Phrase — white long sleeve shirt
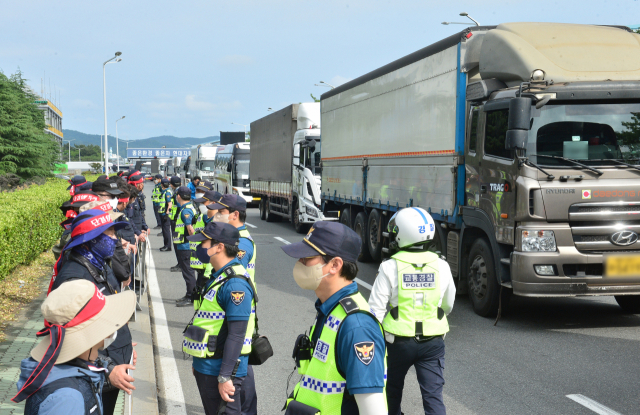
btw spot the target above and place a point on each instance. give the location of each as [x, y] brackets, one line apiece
[385, 290]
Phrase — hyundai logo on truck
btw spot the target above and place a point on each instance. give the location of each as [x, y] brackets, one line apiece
[624, 238]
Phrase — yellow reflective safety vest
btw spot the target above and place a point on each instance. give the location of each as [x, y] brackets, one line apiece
[180, 232]
[418, 297]
[194, 262]
[322, 386]
[174, 205]
[251, 266]
[156, 194]
[162, 205]
[200, 337]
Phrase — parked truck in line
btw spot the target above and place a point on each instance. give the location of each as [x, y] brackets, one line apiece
[522, 140]
[232, 170]
[202, 162]
[285, 165]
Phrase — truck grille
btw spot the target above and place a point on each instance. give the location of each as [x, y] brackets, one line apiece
[594, 224]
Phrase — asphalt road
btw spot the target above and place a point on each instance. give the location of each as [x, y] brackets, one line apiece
[541, 350]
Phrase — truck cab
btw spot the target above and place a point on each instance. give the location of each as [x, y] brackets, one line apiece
[232, 170]
[307, 170]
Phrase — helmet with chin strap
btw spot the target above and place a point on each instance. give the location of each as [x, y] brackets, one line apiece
[411, 226]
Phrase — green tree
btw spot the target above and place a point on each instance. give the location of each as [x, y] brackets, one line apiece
[89, 152]
[25, 149]
[630, 137]
[314, 98]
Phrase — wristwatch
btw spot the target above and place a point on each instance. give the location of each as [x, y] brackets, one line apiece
[223, 379]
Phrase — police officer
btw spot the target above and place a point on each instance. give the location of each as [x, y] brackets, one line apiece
[163, 210]
[343, 361]
[138, 207]
[173, 209]
[203, 216]
[185, 214]
[419, 286]
[155, 199]
[230, 294]
[232, 209]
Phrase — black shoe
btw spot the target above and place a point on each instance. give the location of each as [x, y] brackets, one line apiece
[165, 249]
[160, 234]
[175, 269]
[158, 227]
[185, 303]
[179, 300]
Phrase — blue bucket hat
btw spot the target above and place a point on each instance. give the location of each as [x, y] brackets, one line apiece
[89, 224]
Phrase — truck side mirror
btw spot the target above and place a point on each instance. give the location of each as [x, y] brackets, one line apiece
[312, 145]
[229, 167]
[519, 123]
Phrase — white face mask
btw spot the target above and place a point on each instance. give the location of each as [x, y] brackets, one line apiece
[308, 278]
[113, 203]
[219, 217]
[203, 209]
[109, 340]
[199, 195]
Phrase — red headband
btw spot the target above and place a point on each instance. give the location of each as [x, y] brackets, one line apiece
[136, 182]
[91, 224]
[85, 197]
[123, 200]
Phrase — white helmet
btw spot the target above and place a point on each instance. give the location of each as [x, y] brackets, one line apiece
[411, 226]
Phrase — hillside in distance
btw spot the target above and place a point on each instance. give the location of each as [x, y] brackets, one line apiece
[151, 142]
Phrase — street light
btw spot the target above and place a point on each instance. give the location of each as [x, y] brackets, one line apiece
[245, 129]
[269, 109]
[117, 149]
[326, 84]
[104, 93]
[466, 24]
[69, 141]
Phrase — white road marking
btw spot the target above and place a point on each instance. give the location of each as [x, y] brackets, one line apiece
[284, 241]
[170, 378]
[593, 405]
[248, 224]
[364, 284]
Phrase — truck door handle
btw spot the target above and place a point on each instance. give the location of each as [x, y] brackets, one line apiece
[483, 189]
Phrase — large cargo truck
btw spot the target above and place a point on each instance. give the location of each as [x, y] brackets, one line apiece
[232, 170]
[202, 162]
[285, 166]
[522, 140]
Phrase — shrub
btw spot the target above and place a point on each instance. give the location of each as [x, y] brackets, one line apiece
[30, 222]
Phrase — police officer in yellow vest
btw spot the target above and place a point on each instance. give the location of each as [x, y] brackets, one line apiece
[419, 286]
[173, 208]
[155, 199]
[163, 210]
[342, 363]
[222, 328]
[185, 215]
[203, 216]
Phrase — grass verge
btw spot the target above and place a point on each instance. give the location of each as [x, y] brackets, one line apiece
[23, 285]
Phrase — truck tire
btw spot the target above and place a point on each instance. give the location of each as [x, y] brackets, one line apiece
[629, 303]
[373, 245]
[484, 290]
[295, 219]
[263, 208]
[271, 217]
[345, 218]
[360, 227]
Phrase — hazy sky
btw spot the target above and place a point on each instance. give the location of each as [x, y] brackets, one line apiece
[190, 68]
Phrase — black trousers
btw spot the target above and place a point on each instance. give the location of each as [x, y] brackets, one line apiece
[188, 273]
[244, 402]
[166, 231]
[428, 359]
[157, 214]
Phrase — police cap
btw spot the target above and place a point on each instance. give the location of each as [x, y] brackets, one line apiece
[217, 231]
[231, 202]
[327, 238]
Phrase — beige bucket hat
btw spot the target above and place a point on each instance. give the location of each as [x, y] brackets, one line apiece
[88, 317]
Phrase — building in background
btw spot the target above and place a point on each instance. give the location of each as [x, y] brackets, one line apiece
[53, 119]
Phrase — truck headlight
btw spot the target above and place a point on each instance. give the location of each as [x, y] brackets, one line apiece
[311, 211]
[538, 241]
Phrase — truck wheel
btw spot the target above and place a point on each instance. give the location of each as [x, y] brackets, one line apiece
[295, 219]
[360, 227]
[373, 245]
[629, 303]
[345, 218]
[263, 208]
[484, 290]
[271, 217]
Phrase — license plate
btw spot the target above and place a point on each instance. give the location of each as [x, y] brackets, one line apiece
[256, 198]
[622, 266]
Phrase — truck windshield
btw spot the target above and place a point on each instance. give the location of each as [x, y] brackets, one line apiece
[207, 165]
[590, 133]
[242, 166]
